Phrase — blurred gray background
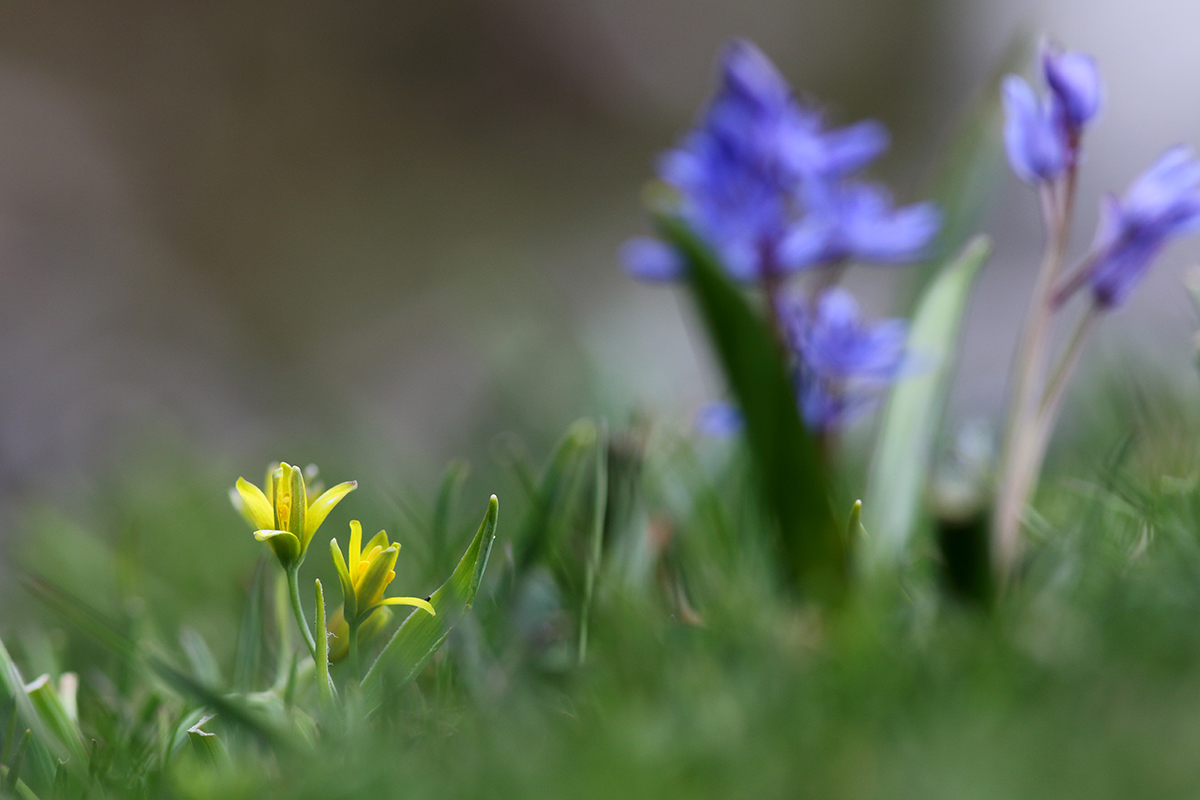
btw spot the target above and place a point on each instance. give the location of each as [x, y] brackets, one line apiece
[255, 229]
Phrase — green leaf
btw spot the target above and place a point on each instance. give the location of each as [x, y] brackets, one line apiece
[972, 164]
[13, 685]
[232, 708]
[447, 494]
[596, 540]
[207, 746]
[420, 635]
[791, 475]
[199, 657]
[247, 658]
[910, 424]
[536, 537]
[324, 686]
[49, 706]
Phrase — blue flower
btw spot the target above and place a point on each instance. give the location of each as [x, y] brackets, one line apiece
[757, 162]
[1163, 203]
[651, 260]
[841, 360]
[1034, 137]
[719, 420]
[858, 221]
[1075, 82]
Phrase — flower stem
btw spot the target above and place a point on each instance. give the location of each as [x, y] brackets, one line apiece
[298, 611]
[1056, 389]
[355, 672]
[1020, 462]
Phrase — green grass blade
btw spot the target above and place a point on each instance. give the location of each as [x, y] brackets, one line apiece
[447, 494]
[537, 528]
[596, 539]
[93, 623]
[207, 746]
[49, 706]
[420, 635]
[247, 658]
[790, 472]
[910, 424]
[13, 685]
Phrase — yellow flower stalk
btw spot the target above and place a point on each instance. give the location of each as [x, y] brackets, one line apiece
[286, 520]
[364, 580]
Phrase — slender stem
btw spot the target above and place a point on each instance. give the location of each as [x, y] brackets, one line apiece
[1060, 378]
[1018, 467]
[355, 672]
[298, 611]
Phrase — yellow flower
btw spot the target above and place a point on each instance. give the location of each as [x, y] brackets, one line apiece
[283, 516]
[367, 575]
[339, 631]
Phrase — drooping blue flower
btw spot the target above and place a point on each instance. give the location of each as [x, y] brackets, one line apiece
[1163, 203]
[841, 361]
[854, 220]
[1075, 81]
[1034, 137]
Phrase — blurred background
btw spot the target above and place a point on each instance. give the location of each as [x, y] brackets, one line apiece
[384, 234]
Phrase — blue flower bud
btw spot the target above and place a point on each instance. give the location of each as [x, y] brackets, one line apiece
[1035, 142]
[1075, 82]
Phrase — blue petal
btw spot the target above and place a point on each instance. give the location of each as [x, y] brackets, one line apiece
[897, 236]
[719, 420]
[1075, 81]
[853, 147]
[651, 260]
[1032, 141]
[1167, 189]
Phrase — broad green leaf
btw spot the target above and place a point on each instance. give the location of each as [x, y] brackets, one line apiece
[420, 635]
[791, 475]
[910, 424]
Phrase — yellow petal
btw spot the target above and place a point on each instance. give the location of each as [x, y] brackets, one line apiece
[255, 505]
[349, 599]
[297, 523]
[355, 546]
[408, 601]
[374, 580]
[378, 540]
[319, 509]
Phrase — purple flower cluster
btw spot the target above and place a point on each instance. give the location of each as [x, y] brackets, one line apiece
[1043, 137]
[841, 361]
[767, 185]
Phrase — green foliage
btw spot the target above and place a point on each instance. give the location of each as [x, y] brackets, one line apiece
[911, 421]
[421, 635]
[794, 485]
